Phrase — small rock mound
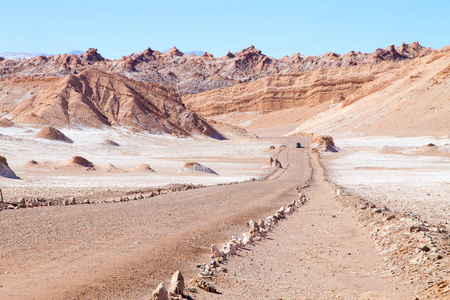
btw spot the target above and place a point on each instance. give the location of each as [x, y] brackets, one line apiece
[323, 143]
[31, 163]
[78, 160]
[144, 168]
[108, 142]
[4, 122]
[51, 133]
[196, 167]
[112, 168]
[5, 170]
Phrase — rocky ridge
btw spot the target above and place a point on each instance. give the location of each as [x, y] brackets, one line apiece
[190, 74]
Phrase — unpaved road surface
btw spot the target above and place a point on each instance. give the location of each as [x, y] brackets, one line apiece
[123, 250]
[320, 252]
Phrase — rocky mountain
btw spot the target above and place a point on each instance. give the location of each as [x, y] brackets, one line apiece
[95, 98]
[146, 91]
[191, 74]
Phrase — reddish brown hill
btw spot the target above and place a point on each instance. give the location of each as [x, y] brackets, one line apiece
[96, 98]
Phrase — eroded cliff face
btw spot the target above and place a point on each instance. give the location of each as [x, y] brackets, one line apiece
[338, 85]
[96, 98]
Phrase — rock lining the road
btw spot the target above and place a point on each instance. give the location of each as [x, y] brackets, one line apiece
[257, 231]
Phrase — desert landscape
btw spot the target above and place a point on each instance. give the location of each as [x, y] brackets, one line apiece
[176, 176]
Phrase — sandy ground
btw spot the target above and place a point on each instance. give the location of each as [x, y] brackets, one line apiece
[234, 161]
[402, 173]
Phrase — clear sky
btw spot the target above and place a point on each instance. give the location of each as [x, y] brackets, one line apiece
[276, 27]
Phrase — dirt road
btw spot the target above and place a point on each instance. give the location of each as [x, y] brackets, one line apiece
[318, 253]
[123, 250]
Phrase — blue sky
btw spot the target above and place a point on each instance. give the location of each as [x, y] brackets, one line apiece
[277, 28]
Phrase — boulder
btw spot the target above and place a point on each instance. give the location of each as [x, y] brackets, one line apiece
[201, 283]
[177, 283]
[5, 170]
[21, 202]
[160, 293]
[254, 227]
[215, 252]
[196, 167]
[323, 143]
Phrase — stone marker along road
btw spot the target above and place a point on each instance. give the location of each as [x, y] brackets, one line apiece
[124, 250]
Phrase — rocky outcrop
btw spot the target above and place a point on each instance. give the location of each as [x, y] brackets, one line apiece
[408, 100]
[91, 56]
[78, 160]
[323, 143]
[109, 142]
[99, 99]
[144, 168]
[5, 170]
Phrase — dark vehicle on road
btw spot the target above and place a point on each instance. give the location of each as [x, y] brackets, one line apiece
[298, 145]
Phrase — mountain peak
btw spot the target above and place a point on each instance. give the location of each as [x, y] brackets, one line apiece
[174, 52]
